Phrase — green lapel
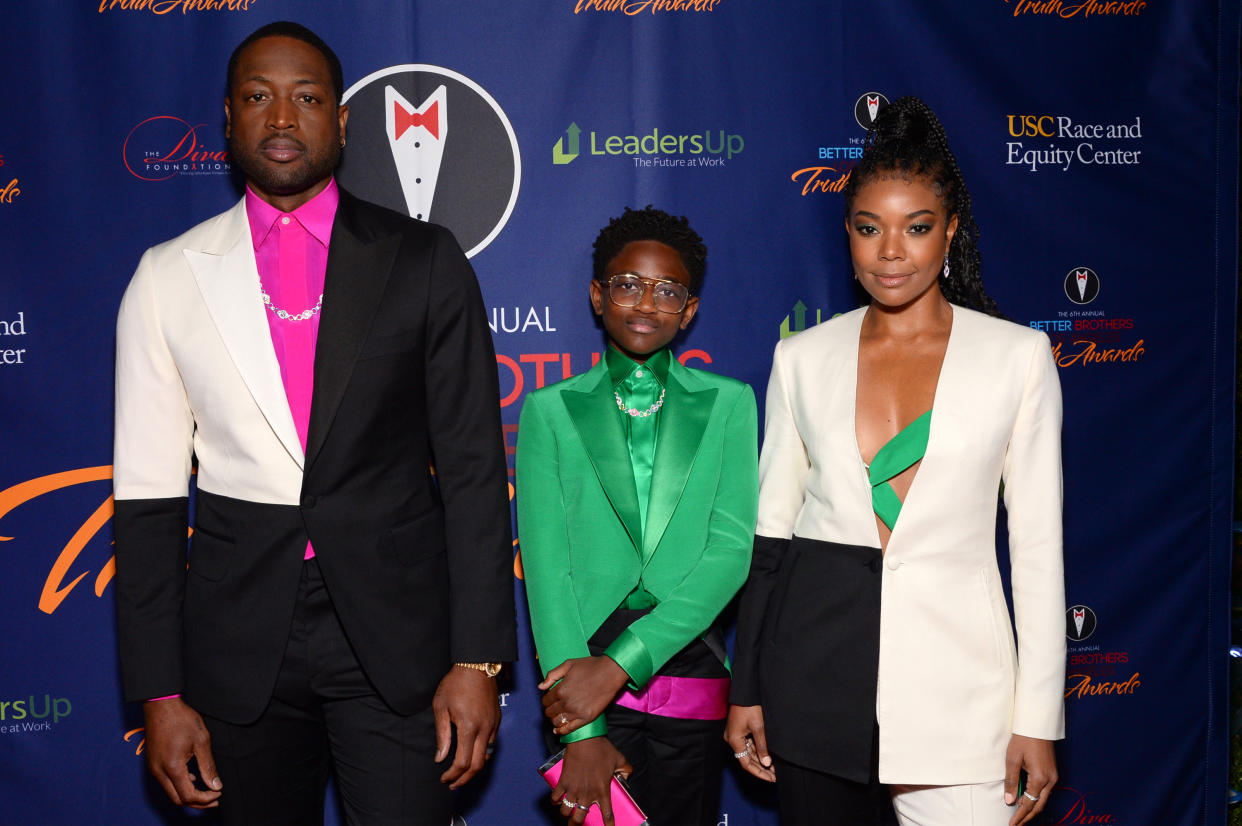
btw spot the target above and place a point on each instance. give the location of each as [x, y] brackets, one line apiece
[594, 414]
[682, 422]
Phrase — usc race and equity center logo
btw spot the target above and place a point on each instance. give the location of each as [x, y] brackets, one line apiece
[433, 144]
[166, 146]
[1063, 143]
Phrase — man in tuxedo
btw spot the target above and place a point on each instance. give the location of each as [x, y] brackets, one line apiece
[345, 607]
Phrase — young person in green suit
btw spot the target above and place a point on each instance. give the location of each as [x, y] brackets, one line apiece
[637, 490]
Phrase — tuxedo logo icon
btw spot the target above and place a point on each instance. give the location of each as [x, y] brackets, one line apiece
[433, 144]
[416, 137]
[1079, 622]
[1082, 285]
[867, 108]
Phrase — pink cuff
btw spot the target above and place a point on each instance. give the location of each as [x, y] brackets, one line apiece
[686, 698]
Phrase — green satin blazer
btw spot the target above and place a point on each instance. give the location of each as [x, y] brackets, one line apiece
[582, 546]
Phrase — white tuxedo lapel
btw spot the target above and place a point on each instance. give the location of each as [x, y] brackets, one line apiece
[842, 415]
[944, 441]
[228, 279]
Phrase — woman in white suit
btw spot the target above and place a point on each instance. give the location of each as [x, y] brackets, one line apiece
[875, 653]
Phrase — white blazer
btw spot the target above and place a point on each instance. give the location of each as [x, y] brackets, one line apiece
[952, 684]
[196, 374]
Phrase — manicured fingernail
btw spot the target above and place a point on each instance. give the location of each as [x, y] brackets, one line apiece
[765, 760]
[215, 784]
[1009, 798]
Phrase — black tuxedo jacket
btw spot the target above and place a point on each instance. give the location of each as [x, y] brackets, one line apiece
[418, 561]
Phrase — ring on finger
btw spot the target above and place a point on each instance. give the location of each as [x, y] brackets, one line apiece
[581, 806]
[743, 754]
[1029, 796]
[565, 801]
[562, 720]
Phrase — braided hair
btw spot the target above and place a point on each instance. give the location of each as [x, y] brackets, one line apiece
[651, 224]
[907, 140]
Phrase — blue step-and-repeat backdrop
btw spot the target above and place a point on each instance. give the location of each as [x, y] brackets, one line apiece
[1100, 142]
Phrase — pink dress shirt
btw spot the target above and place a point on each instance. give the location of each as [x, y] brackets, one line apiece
[291, 250]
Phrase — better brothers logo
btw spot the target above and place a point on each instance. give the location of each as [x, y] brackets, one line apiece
[431, 143]
[170, 6]
[1092, 672]
[710, 148]
[636, 7]
[1097, 144]
[826, 178]
[1080, 9]
[1089, 337]
[165, 146]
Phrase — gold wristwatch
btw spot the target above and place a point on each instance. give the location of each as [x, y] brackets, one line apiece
[490, 669]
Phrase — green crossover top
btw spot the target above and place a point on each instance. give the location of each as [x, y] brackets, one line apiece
[897, 454]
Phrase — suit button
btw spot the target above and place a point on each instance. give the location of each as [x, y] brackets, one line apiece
[308, 501]
[894, 564]
[876, 565]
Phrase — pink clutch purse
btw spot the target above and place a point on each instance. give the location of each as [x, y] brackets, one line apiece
[624, 810]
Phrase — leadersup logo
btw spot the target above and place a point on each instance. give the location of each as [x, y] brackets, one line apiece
[795, 322]
[30, 715]
[711, 148]
[165, 146]
[1092, 672]
[1088, 151]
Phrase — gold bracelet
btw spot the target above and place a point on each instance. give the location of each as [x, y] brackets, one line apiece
[490, 669]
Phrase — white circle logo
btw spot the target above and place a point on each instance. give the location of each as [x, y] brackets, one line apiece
[430, 142]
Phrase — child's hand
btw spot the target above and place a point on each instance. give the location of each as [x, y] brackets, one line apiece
[587, 685]
[586, 778]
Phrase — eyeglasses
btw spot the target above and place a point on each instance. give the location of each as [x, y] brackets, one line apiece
[626, 289]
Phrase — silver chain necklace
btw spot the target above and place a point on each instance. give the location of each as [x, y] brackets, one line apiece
[285, 315]
[639, 414]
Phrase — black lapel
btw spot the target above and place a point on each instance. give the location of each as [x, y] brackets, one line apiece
[359, 264]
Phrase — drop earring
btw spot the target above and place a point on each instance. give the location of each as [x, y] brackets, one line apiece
[946, 268]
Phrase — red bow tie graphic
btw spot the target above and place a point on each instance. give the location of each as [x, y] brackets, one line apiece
[429, 120]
